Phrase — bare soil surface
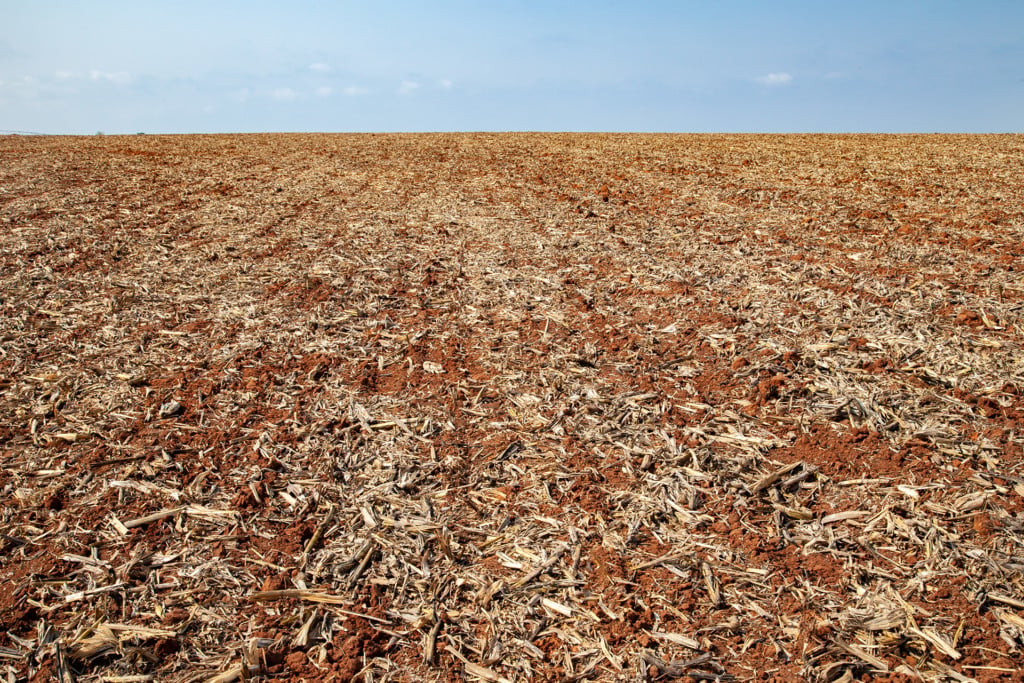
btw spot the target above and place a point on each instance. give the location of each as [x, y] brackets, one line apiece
[511, 407]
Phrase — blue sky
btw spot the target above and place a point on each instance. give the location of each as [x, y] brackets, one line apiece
[459, 65]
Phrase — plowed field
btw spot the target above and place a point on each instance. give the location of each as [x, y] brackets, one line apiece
[511, 407]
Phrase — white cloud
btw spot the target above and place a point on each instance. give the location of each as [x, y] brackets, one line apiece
[354, 90]
[445, 83]
[283, 94]
[117, 77]
[63, 75]
[28, 87]
[779, 78]
[324, 91]
[408, 87]
[240, 95]
[319, 67]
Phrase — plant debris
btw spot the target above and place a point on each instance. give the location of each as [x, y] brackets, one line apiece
[511, 407]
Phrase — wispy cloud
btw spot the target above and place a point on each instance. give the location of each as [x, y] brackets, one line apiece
[778, 78]
[324, 91]
[408, 87]
[117, 77]
[283, 94]
[319, 67]
[445, 83]
[29, 87]
[354, 90]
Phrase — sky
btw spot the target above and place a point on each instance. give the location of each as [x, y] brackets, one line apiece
[75, 67]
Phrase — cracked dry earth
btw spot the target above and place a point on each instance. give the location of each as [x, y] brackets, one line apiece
[511, 407]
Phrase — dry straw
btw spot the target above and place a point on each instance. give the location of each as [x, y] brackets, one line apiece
[511, 407]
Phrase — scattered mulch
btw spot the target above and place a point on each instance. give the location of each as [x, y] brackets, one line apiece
[511, 407]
